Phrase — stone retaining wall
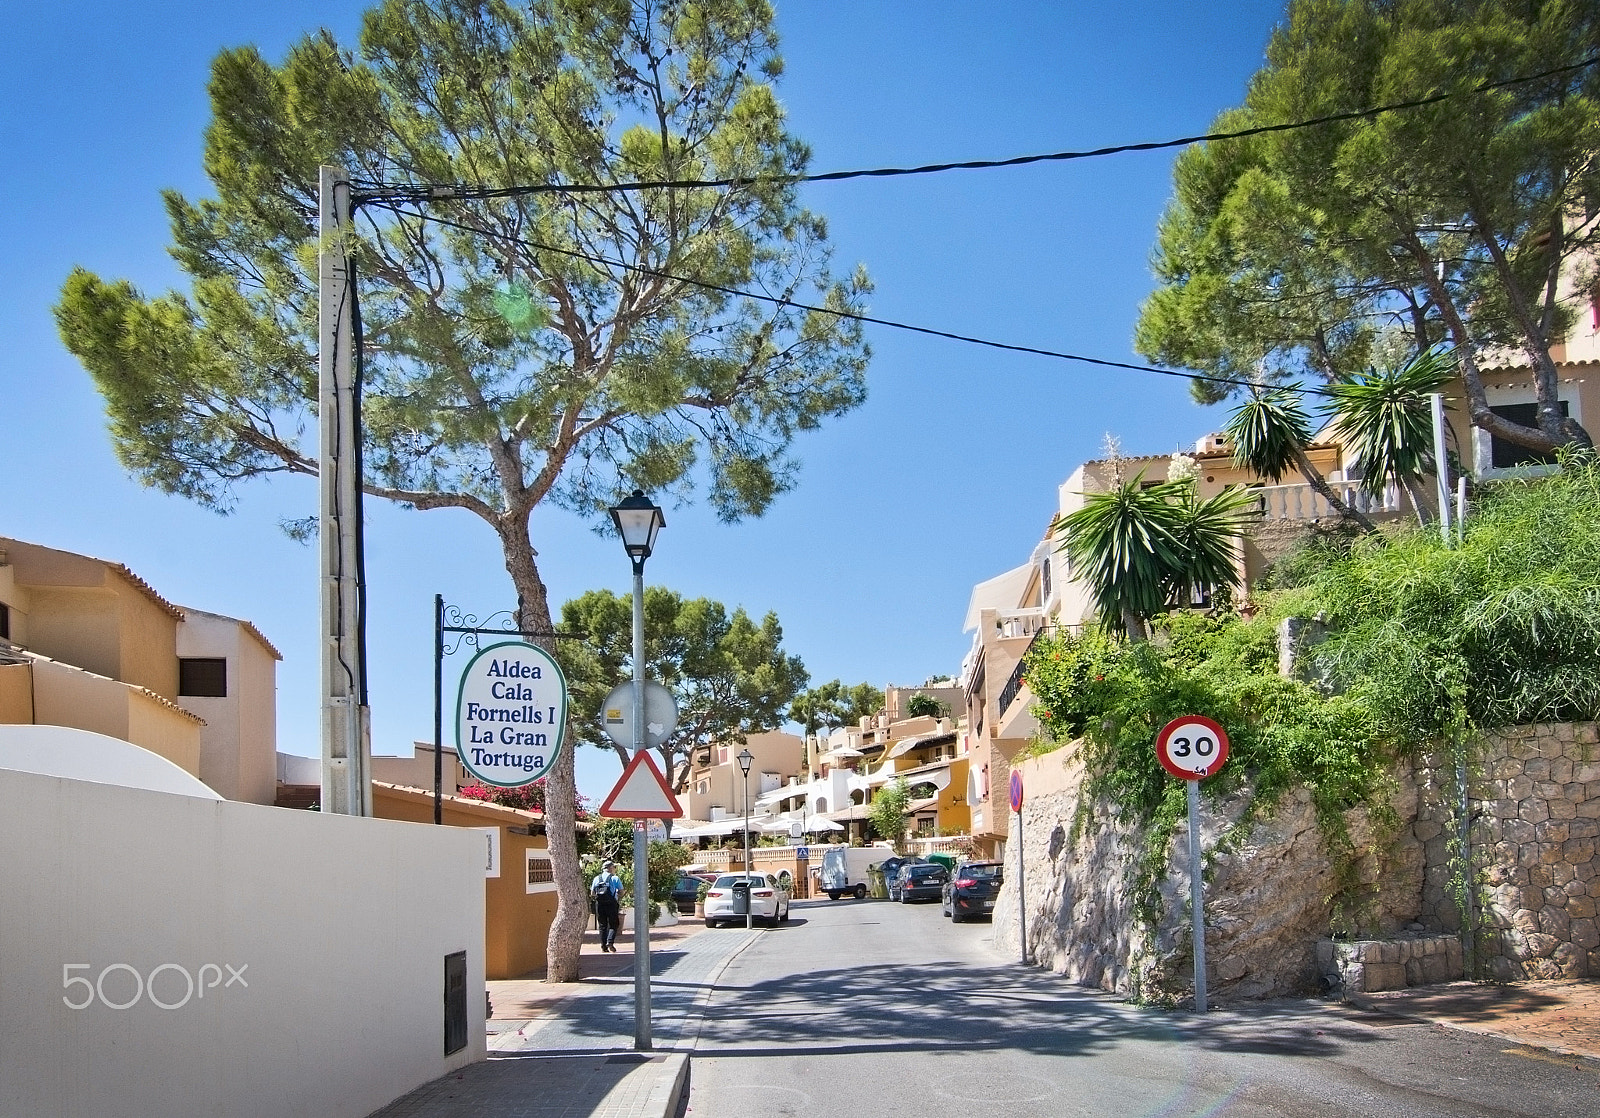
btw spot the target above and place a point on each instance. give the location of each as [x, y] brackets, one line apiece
[1270, 893]
[1536, 808]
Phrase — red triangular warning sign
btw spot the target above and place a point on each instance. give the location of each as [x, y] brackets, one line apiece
[642, 793]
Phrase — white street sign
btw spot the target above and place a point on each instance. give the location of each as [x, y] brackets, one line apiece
[660, 714]
[641, 793]
[511, 714]
[1192, 747]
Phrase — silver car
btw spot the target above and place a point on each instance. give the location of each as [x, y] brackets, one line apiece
[769, 899]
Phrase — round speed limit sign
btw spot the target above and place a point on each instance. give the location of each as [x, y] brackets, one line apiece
[1192, 747]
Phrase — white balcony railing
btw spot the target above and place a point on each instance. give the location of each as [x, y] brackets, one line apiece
[1012, 623]
[1301, 502]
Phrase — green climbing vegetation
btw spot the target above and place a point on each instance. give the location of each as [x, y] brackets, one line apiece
[1426, 645]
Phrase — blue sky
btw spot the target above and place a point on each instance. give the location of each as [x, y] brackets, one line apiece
[945, 477]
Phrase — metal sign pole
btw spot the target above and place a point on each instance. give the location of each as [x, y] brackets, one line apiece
[641, 839]
[1191, 748]
[438, 709]
[1022, 895]
[1197, 898]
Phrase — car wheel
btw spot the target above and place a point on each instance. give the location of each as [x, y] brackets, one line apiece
[785, 917]
[861, 892]
[955, 918]
[833, 894]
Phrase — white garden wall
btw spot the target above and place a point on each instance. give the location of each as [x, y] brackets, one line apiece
[316, 944]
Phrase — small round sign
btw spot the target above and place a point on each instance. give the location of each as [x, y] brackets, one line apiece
[511, 714]
[1016, 790]
[1192, 747]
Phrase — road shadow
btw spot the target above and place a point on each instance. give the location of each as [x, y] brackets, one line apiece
[967, 1008]
[1475, 1004]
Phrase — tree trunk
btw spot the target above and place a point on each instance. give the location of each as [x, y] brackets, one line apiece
[1315, 480]
[565, 942]
[1138, 632]
[1559, 429]
[1534, 438]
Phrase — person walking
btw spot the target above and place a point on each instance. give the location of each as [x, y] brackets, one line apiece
[606, 892]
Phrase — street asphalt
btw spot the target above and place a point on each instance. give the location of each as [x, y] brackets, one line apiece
[881, 1009]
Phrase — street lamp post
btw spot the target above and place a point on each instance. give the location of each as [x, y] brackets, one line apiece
[745, 758]
[638, 521]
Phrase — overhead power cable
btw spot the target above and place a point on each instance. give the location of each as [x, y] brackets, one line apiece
[370, 191]
[853, 316]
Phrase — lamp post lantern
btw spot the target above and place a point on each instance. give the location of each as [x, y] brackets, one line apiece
[745, 758]
[638, 521]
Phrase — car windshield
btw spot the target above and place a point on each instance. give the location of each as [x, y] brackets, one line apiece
[982, 872]
[927, 871]
[728, 880]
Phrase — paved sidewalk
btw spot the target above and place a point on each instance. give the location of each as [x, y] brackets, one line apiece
[531, 996]
[566, 1051]
[1562, 1017]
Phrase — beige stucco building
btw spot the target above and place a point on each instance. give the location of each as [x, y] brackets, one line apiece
[716, 785]
[87, 643]
[1007, 613]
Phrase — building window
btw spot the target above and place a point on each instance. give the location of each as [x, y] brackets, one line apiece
[722, 755]
[204, 677]
[5, 622]
[1044, 581]
[1505, 455]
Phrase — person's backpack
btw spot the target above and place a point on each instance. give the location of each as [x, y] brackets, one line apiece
[601, 889]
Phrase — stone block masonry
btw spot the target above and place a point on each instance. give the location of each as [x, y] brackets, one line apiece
[1271, 890]
[1367, 966]
[1534, 838]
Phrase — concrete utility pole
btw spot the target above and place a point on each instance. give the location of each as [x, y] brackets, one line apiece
[1441, 465]
[346, 725]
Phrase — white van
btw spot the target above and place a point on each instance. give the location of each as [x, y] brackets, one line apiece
[844, 869]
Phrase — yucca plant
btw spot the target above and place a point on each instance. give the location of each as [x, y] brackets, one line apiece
[1140, 545]
[1269, 433]
[1386, 421]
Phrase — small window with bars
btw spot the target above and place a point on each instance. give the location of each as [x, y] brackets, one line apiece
[541, 876]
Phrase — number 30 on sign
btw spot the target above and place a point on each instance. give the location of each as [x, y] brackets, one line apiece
[1192, 747]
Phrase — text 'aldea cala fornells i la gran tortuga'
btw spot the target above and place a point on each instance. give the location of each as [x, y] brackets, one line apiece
[511, 696]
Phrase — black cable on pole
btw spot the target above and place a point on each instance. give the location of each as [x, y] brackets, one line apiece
[387, 192]
[853, 316]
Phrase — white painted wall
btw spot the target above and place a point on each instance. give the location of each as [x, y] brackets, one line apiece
[239, 742]
[340, 924]
[85, 755]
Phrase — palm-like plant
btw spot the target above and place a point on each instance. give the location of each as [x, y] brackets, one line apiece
[1205, 532]
[1269, 433]
[1386, 421]
[1138, 546]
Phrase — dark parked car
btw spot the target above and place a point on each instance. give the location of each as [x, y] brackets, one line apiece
[891, 874]
[922, 881]
[971, 892]
[686, 889]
